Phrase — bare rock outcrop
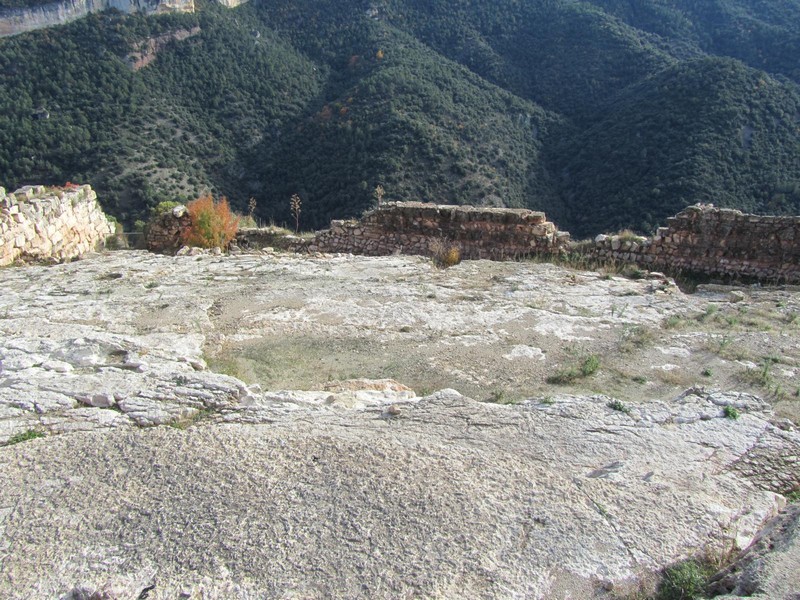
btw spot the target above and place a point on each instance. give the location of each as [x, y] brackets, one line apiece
[445, 497]
[157, 474]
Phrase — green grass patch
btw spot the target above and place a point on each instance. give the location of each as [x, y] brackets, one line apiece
[686, 580]
[30, 434]
[586, 367]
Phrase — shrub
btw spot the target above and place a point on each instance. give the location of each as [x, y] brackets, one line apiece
[683, 581]
[444, 255]
[618, 406]
[213, 223]
[590, 365]
[730, 412]
[164, 207]
[635, 337]
[633, 272]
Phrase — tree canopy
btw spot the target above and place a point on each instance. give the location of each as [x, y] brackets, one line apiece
[604, 113]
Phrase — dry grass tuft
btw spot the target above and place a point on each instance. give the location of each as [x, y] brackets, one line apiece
[445, 254]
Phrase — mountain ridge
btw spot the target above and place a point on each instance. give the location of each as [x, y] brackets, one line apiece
[579, 109]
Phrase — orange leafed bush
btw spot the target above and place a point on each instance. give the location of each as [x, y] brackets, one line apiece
[213, 223]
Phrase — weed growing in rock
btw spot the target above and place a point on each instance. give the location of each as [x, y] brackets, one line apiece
[619, 407]
[379, 193]
[708, 313]
[188, 421]
[163, 207]
[674, 377]
[633, 272]
[685, 580]
[295, 207]
[730, 412]
[618, 311]
[213, 223]
[760, 376]
[706, 372]
[500, 397]
[24, 436]
[626, 235]
[725, 348]
[672, 321]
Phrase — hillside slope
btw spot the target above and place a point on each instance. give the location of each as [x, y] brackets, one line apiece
[604, 113]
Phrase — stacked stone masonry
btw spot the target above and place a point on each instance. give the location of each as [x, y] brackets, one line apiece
[414, 227]
[714, 241]
[166, 232]
[38, 223]
[701, 239]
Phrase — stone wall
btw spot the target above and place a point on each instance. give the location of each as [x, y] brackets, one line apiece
[165, 233]
[701, 239]
[412, 227]
[270, 237]
[714, 241]
[39, 223]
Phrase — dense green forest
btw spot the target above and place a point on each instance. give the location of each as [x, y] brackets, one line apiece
[604, 113]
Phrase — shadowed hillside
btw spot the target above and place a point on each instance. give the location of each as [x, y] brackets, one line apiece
[606, 114]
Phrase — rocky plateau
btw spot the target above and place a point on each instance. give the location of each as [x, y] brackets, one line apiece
[274, 425]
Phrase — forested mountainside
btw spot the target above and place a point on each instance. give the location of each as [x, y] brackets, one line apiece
[604, 113]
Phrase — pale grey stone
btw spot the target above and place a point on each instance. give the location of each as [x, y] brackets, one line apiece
[57, 366]
[99, 400]
[361, 490]
[460, 498]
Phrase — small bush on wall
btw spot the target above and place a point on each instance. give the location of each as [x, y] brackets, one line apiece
[213, 223]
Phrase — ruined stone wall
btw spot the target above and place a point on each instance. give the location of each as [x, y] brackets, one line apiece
[412, 227]
[165, 233]
[39, 223]
[714, 241]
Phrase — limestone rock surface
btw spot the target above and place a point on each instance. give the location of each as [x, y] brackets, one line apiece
[446, 498]
[160, 473]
